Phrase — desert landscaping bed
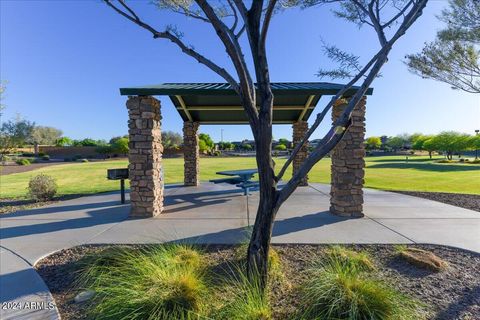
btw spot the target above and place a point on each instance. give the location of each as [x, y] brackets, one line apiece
[453, 293]
[467, 201]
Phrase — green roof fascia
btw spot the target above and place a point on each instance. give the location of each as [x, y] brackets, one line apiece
[158, 90]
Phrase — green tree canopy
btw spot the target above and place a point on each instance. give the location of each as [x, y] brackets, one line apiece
[120, 146]
[454, 57]
[14, 134]
[171, 139]
[418, 141]
[284, 141]
[373, 143]
[42, 135]
[451, 142]
[226, 145]
[63, 142]
[396, 142]
[208, 142]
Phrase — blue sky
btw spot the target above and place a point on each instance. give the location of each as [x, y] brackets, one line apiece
[65, 60]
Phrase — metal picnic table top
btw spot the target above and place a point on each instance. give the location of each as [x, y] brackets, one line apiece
[244, 173]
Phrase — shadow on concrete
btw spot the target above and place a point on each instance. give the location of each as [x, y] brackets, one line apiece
[59, 209]
[94, 218]
[173, 202]
[281, 227]
[426, 167]
[12, 281]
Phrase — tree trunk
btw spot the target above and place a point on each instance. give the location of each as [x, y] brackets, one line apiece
[430, 154]
[36, 149]
[257, 256]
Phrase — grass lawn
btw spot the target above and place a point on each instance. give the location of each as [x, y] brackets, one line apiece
[387, 173]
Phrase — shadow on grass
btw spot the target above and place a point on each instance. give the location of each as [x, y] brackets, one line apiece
[402, 159]
[425, 167]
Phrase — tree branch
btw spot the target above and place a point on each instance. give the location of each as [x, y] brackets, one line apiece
[168, 35]
[343, 121]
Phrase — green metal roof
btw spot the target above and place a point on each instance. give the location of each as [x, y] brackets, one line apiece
[167, 89]
[218, 103]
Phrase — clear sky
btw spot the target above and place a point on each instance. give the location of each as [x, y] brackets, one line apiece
[65, 60]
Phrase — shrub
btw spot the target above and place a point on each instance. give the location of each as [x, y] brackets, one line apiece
[67, 159]
[42, 187]
[46, 157]
[28, 154]
[82, 160]
[76, 157]
[41, 154]
[280, 147]
[337, 289]
[23, 162]
[160, 282]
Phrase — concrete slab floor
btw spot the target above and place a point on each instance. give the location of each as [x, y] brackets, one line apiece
[213, 213]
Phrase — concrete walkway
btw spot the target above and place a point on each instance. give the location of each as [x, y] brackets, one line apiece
[210, 214]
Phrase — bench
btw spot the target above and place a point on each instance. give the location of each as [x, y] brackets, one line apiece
[119, 174]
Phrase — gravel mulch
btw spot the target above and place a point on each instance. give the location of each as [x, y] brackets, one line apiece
[467, 201]
[450, 294]
[15, 168]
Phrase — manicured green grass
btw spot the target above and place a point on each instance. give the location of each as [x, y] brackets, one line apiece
[387, 173]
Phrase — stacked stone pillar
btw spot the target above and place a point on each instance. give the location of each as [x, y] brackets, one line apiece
[300, 128]
[347, 175]
[145, 156]
[191, 154]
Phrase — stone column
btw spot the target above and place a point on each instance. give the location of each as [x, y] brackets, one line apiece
[346, 195]
[191, 154]
[299, 130]
[145, 156]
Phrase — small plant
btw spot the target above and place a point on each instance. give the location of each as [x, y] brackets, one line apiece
[352, 259]
[81, 160]
[42, 187]
[23, 162]
[4, 158]
[46, 157]
[337, 289]
[159, 282]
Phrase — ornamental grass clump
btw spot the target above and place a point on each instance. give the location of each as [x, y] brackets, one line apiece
[339, 288]
[351, 258]
[244, 298]
[159, 282]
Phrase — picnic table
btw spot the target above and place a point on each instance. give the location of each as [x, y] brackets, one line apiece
[241, 178]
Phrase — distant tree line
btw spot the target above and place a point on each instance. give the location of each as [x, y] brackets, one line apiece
[448, 143]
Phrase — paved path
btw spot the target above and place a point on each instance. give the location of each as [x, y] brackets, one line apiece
[211, 214]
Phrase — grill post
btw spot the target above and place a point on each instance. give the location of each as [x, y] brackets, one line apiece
[122, 191]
